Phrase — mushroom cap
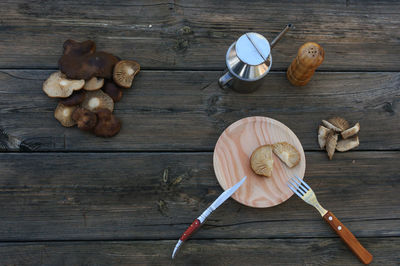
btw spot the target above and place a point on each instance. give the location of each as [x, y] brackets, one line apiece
[107, 124]
[85, 119]
[80, 61]
[97, 100]
[287, 153]
[112, 90]
[339, 122]
[93, 84]
[59, 86]
[103, 63]
[124, 72]
[72, 47]
[76, 98]
[261, 160]
[64, 115]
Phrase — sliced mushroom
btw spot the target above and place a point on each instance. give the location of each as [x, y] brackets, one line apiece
[339, 122]
[262, 161]
[124, 72]
[80, 61]
[347, 144]
[287, 153]
[351, 131]
[322, 134]
[112, 90]
[107, 124]
[64, 115]
[59, 86]
[76, 98]
[331, 142]
[97, 100]
[331, 126]
[93, 84]
[85, 119]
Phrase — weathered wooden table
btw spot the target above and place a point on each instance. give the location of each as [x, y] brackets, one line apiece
[69, 198]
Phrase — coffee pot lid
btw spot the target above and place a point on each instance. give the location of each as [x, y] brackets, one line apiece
[253, 48]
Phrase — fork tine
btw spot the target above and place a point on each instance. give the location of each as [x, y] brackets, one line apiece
[294, 190]
[299, 186]
[303, 182]
[296, 187]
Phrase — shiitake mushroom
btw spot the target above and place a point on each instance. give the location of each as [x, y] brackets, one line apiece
[112, 90]
[97, 100]
[262, 161]
[64, 115]
[124, 72]
[59, 86]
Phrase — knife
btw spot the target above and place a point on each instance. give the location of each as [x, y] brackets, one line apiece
[202, 218]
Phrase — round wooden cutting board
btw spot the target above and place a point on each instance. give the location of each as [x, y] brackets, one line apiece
[232, 161]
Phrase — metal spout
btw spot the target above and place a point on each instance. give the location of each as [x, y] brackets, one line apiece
[280, 35]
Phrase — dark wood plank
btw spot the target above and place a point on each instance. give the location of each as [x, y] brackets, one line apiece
[97, 196]
[207, 252]
[357, 35]
[187, 110]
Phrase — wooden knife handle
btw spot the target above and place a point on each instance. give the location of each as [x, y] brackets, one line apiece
[191, 229]
[350, 240]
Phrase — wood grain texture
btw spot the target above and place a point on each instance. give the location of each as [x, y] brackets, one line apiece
[310, 251]
[186, 110]
[231, 161]
[98, 196]
[356, 35]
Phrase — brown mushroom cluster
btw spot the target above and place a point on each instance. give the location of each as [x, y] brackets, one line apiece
[337, 134]
[88, 84]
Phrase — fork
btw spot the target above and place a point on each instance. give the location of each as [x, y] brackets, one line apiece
[304, 191]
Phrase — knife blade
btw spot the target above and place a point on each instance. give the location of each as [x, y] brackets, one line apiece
[202, 218]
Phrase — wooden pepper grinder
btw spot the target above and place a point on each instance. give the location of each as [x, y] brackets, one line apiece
[309, 57]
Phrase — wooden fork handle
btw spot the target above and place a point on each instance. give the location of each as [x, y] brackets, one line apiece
[350, 240]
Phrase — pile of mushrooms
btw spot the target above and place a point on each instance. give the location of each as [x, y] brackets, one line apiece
[87, 86]
[336, 134]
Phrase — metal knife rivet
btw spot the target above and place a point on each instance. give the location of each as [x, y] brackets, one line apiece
[339, 228]
[330, 218]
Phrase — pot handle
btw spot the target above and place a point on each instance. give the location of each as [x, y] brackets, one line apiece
[224, 79]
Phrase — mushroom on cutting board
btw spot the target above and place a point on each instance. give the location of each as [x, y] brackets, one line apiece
[97, 100]
[124, 72]
[64, 115]
[59, 86]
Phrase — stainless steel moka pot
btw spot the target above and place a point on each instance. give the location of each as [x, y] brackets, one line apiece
[248, 60]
